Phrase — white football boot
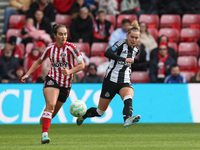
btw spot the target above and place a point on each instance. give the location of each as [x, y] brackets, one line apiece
[131, 120]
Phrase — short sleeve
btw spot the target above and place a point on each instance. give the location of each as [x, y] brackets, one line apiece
[45, 54]
[77, 54]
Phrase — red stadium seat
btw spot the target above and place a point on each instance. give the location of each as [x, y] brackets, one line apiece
[188, 48]
[188, 74]
[125, 16]
[190, 35]
[98, 48]
[187, 62]
[110, 18]
[17, 21]
[172, 34]
[83, 47]
[170, 21]
[189, 20]
[13, 32]
[63, 19]
[98, 60]
[150, 20]
[199, 63]
[153, 32]
[80, 74]
[140, 77]
[173, 45]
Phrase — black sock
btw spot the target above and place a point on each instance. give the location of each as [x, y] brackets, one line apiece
[91, 112]
[128, 109]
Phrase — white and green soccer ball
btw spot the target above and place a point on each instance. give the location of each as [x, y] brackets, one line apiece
[78, 108]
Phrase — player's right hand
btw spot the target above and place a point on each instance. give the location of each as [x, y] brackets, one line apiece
[23, 79]
[130, 60]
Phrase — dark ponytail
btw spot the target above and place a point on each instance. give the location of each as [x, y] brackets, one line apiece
[56, 27]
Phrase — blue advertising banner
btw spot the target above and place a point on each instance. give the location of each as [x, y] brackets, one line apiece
[156, 103]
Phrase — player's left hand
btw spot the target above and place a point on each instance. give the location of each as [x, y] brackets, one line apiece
[65, 71]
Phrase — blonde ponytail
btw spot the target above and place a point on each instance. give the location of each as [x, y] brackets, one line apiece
[134, 26]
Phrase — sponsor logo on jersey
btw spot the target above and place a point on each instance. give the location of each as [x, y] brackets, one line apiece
[107, 94]
[114, 47]
[63, 55]
[124, 63]
[59, 64]
[50, 82]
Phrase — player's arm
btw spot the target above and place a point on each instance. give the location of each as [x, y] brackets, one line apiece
[111, 53]
[79, 67]
[34, 67]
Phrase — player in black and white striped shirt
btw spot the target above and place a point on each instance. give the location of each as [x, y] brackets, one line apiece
[118, 77]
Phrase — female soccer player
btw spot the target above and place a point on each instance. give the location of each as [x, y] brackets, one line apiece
[117, 78]
[57, 85]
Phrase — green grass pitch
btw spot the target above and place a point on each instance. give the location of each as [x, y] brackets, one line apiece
[102, 137]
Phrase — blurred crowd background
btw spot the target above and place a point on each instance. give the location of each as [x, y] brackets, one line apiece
[169, 41]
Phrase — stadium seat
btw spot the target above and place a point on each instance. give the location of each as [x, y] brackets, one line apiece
[187, 62]
[150, 20]
[17, 21]
[63, 19]
[13, 32]
[190, 20]
[188, 48]
[173, 45]
[140, 77]
[98, 60]
[169, 20]
[80, 74]
[29, 47]
[172, 34]
[125, 16]
[153, 32]
[190, 35]
[110, 18]
[188, 74]
[83, 47]
[98, 48]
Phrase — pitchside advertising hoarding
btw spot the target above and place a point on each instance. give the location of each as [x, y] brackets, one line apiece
[156, 103]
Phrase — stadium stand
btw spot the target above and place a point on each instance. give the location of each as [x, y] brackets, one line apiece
[120, 17]
[189, 35]
[98, 60]
[15, 32]
[140, 77]
[188, 74]
[17, 21]
[98, 48]
[172, 34]
[173, 45]
[63, 19]
[153, 32]
[191, 21]
[169, 20]
[83, 47]
[187, 62]
[188, 48]
[151, 20]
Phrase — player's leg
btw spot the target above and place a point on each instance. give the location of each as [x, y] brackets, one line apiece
[57, 108]
[51, 96]
[126, 94]
[95, 112]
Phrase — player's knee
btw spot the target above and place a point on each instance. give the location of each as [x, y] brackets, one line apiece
[100, 112]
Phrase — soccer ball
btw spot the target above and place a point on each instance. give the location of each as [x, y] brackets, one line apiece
[78, 108]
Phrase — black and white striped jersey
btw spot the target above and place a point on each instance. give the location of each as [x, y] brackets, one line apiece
[118, 70]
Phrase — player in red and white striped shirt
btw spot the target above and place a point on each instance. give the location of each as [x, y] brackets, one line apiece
[58, 82]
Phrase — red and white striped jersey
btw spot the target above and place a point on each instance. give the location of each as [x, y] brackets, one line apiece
[59, 57]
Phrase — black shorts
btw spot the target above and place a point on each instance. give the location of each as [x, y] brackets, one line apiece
[110, 89]
[64, 92]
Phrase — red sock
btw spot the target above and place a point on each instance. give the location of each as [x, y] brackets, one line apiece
[46, 121]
